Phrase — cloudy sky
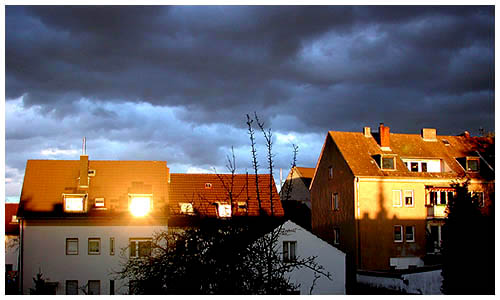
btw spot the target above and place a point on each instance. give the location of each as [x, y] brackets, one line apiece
[175, 83]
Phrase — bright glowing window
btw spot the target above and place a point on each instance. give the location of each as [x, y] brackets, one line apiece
[140, 205]
[99, 202]
[224, 210]
[74, 203]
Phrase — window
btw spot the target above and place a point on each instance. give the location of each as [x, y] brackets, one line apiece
[224, 210]
[335, 201]
[410, 233]
[472, 164]
[330, 172]
[140, 247]
[388, 163]
[112, 246]
[289, 250]
[186, 208]
[414, 166]
[94, 246]
[71, 287]
[72, 246]
[99, 202]
[442, 198]
[336, 236]
[208, 185]
[408, 198]
[94, 287]
[398, 233]
[479, 197]
[74, 203]
[14, 219]
[140, 205]
[424, 167]
[242, 206]
[396, 198]
[111, 287]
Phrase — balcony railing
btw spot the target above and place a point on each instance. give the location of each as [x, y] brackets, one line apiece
[436, 211]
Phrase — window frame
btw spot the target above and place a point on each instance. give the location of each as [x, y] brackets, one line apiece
[330, 172]
[77, 245]
[186, 208]
[336, 236]
[413, 234]
[335, 204]
[88, 287]
[474, 193]
[75, 196]
[383, 157]
[150, 196]
[288, 254]
[401, 233]
[111, 246]
[412, 198]
[467, 160]
[66, 286]
[400, 198]
[94, 239]
[137, 248]
[222, 210]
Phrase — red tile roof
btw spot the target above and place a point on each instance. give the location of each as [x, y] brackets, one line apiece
[358, 152]
[11, 228]
[45, 182]
[190, 188]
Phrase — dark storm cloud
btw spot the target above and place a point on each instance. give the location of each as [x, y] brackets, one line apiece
[174, 83]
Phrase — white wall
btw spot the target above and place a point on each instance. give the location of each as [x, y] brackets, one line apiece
[421, 283]
[45, 250]
[332, 259]
[11, 250]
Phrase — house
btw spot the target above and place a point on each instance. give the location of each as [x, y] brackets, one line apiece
[80, 218]
[11, 247]
[295, 196]
[298, 242]
[381, 197]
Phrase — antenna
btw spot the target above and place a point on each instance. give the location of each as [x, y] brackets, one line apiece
[84, 146]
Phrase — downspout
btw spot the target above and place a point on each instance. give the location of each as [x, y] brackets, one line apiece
[356, 188]
[20, 265]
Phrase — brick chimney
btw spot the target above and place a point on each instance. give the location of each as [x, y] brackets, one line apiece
[384, 136]
[429, 134]
[367, 131]
[84, 172]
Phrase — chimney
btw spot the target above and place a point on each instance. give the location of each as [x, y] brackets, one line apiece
[384, 136]
[429, 134]
[84, 171]
[466, 134]
[367, 131]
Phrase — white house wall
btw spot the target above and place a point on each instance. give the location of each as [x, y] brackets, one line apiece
[45, 250]
[332, 260]
[11, 250]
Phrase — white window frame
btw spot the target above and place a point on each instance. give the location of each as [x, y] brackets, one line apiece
[336, 236]
[74, 197]
[289, 251]
[99, 203]
[394, 233]
[136, 245]
[94, 239]
[413, 234]
[224, 210]
[77, 246]
[400, 198]
[382, 157]
[412, 198]
[186, 208]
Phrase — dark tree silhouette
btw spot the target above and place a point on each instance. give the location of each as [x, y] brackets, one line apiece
[468, 247]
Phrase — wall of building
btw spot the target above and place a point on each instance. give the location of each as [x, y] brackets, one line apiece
[11, 250]
[420, 283]
[299, 191]
[332, 260]
[45, 251]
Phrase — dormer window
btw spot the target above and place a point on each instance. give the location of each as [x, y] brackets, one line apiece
[472, 164]
[208, 185]
[386, 162]
[224, 210]
[140, 204]
[186, 208]
[74, 203]
[422, 164]
[99, 203]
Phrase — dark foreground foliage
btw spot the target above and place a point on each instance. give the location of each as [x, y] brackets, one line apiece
[468, 247]
[217, 257]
